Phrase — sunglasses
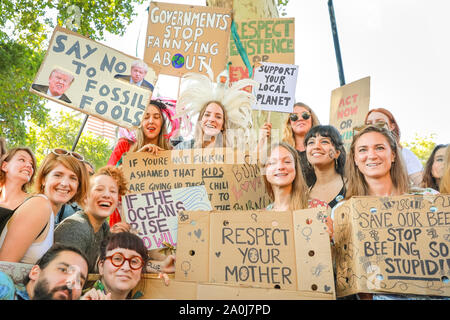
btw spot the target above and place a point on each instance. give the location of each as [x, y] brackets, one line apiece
[118, 259]
[379, 124]
[63, 152]
[294, 116]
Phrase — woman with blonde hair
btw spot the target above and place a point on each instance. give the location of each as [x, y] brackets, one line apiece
[297, 126]
[61, 178]
[285, 186]
[434, 168]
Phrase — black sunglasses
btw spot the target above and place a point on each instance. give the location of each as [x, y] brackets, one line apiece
[294, 116]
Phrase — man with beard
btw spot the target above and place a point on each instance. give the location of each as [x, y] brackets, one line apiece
[59, 275]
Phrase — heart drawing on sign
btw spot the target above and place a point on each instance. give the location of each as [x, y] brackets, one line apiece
[218, 254]
[327, 288]
[245, 186]
[198, 233]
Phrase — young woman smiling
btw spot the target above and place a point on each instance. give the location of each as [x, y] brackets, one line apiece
[375, 168]
[17, 169]
[151, 136]
[61, 178]
[326, 154]
[434, 168]
[210, 130]
[87, 229]
[121, 263]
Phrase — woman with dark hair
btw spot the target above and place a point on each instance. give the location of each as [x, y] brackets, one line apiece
[444, 186]
[413, 165]
[326, 154]
[121, 263]
[3, 148]
[434, 168]
[152, 134]
[297, 126]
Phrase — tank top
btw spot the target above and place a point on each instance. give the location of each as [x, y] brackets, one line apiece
[37, 249]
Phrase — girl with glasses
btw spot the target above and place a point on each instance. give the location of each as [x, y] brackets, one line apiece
[121, 263]
[28, 234]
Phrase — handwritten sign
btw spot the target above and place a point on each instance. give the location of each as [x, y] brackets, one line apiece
[394, 244]
[283, 250]
[155, 214]
[349, 106]
[89, 77]
[180, 37]
[265, 40]
[276, 89]
[232, 179]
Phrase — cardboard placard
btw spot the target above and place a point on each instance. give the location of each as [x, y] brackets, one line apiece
[155, 214]
[349, 106]
[276, 88]
[393, 245]
[265, 249]
[101, 79]
[232, 179]
[265, 40]
[179, 37]
[153, 287]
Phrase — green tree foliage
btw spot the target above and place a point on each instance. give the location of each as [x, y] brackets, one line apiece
[25, 30]
[61, 132]
[422, 146]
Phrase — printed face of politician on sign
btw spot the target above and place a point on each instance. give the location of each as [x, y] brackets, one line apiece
[138, 72]
[58, 83]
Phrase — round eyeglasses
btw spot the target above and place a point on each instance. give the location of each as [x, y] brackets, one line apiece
[118, 259]
[63, 152]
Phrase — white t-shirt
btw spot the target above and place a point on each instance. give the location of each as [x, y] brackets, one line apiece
[413, 164]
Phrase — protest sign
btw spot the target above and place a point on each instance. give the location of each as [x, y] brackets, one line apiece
[180, 37]
[265, 249]
[155, 214]
[152, 287]
[393, 245]
[94, 79]
[349, 106]
[265, 40]
[276, 88]
[232, 179]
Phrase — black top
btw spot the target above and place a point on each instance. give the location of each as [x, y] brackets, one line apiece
[308, 171]
[5, 214]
